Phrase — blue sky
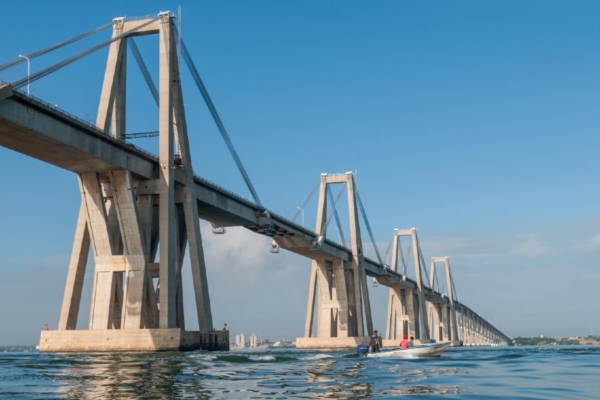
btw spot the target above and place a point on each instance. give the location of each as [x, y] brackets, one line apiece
[475, 122]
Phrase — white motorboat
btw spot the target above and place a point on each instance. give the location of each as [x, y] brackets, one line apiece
[417, 351]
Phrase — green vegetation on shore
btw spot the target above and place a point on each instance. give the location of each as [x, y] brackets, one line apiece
[548, 341]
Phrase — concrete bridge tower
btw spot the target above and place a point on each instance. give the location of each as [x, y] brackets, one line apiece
[407, 312]
[338, 286]
[442, 314]
[137, 298]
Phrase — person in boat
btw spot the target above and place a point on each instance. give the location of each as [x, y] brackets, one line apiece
[404, 343]
[376, 342]
[411, 342]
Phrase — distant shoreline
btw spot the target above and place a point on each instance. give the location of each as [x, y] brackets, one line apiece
[549, 341]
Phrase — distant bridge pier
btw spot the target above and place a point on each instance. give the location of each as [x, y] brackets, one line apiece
[407, 311]
[442, 311]
[137, 302]
[338, 288]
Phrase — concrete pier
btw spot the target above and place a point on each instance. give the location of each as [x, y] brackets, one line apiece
[109, 340]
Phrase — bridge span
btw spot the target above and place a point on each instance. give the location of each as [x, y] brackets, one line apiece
[134, 203]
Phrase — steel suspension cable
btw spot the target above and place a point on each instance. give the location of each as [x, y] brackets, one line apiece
[364, 215]
[337, 218]
[335, 203]
[213, 111]
[53, 47]
[454, 293]
[310, 195]
[422, 263]
[40, 74]
[442, 285]
[140, 62]
[387, 251]
[402, 254]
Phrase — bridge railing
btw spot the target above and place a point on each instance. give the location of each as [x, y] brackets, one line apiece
[88, 124]
[229, 192]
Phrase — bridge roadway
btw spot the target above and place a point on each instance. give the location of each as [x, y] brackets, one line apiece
[37, 129]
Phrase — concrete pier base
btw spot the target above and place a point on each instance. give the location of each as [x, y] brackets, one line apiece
[109, 340]
[331, 343]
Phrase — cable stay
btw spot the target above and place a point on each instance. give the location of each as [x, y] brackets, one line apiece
[404, 264]
[422, 263]
[213, 111]
[335, 203]
[438, 283]
[454, 293]
[337, 217]
[140, 62]
[442, 286]
[46, 71]
[364, 215]
[310, 195]
[387, 251]
[53, 47]
[408, 253]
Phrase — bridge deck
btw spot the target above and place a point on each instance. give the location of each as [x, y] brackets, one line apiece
[35, 128]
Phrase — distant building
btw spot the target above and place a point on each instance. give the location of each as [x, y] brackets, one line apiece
[253, 342]
[240, 340]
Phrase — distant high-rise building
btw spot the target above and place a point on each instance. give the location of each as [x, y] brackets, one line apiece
[240, 340]
[253, 342]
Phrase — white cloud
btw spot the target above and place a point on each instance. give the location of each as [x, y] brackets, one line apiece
[593, 246]
[465, 246]
[239, 252]
[528, 246]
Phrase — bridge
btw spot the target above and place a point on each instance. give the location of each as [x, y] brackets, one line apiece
[140, 211]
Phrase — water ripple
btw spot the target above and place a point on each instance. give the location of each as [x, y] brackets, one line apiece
[516, 373]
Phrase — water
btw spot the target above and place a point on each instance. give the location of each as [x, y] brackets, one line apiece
[570, 372]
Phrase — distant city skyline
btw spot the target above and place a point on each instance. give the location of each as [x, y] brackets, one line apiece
[475, 122]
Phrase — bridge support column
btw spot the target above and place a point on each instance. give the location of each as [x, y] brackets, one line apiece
[438, 321]
[401, 314]
[337, 287]
[447, 313]
[74, 287]
[127, 221]
[335, 318]
[415, 309]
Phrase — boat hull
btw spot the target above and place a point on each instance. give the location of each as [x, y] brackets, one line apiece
[419, 351]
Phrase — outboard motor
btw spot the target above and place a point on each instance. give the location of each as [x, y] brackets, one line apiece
[362, 350]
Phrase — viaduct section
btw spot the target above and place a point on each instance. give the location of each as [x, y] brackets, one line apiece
[139, 213]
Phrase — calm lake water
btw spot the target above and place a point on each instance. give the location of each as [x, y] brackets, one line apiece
[571, 372]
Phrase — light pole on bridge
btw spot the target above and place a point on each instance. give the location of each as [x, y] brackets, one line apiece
[28, 71]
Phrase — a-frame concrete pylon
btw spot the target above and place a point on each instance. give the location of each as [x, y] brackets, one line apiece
[137, 301]
[438, 310]
[443, 315]
[338, 287]
[407, 313]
